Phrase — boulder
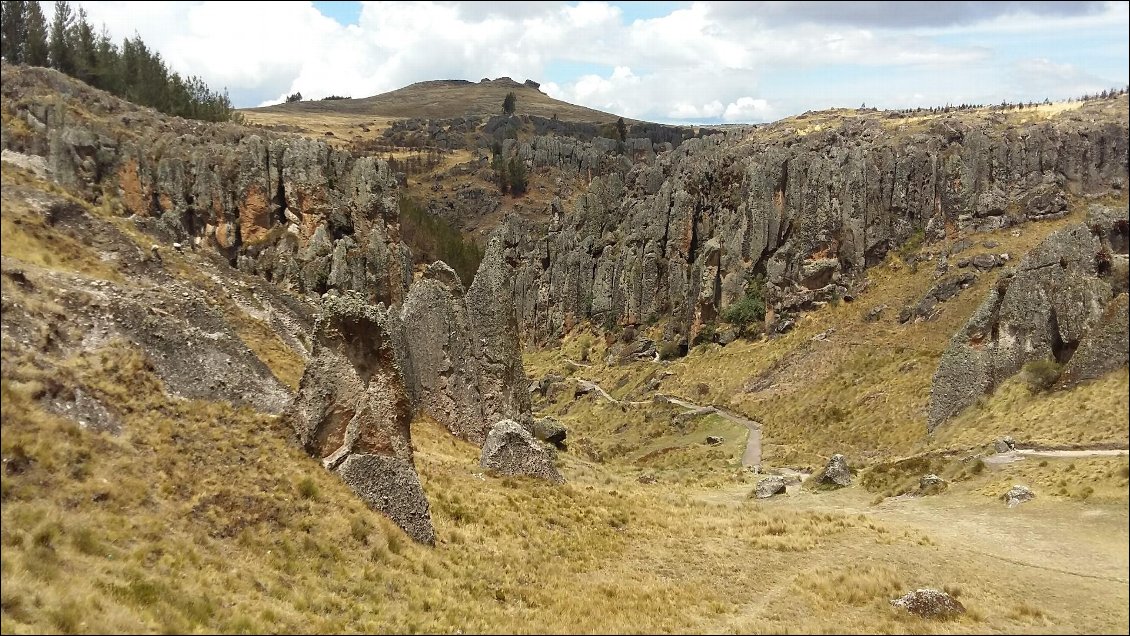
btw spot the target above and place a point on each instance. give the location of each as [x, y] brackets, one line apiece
[353, 413]
[769, 486]
[930, 603]
[1004, 444]
[1017, 495]
[715, 440]
[931, 482]
[836, 472]
[511, 450]
[550, 430]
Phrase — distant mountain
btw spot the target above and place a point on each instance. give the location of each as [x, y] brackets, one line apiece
[441, 99]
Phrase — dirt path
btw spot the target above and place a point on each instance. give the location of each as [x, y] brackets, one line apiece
[752, 455]
[1022, 453]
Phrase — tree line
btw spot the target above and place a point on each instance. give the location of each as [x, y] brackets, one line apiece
[131, 71]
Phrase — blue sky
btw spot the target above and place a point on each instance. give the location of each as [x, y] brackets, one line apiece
[691, 62]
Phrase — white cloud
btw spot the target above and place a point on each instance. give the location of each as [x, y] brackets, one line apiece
[705, 61]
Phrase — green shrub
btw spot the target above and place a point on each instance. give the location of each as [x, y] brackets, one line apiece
[913, 242]
[307, 488]
[669, 350]
[1041, 374]
[750, 308]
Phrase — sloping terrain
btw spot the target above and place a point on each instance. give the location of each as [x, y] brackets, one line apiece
[443, 99]
[150, 484]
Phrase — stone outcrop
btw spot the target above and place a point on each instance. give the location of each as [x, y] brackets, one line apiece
[682, 236]
[549, 430]
[930, 603]
[460, 349]
[511, 450]
[353, 412]
[302, 214]
[1064, 300]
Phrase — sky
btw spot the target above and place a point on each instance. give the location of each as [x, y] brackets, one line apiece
[670, 62]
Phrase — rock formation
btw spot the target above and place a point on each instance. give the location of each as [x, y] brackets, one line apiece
[1065, 301]
[353, 412]
[682, 236]
[461, 350]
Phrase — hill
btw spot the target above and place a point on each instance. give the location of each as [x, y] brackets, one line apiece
[439, 99]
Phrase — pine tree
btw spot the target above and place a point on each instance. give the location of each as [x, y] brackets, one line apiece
[621, 129]
[86, 58]
[35, 47]
[510, 103]
[60, 46]
[13, 30]
[518, 178]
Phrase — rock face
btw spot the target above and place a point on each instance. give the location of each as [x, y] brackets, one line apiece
[930, 603]
[302, 214]
[836, 471]
[772, 485]
[682, 236]
[460, 348]
[511, 450]
[353, 412]
[1063, 301]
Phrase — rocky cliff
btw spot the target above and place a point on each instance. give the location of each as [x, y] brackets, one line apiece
[1066, 302]
[810, 209]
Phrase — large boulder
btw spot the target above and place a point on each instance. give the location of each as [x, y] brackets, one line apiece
[353, 413]
[930, 603]
[1062, 302]
[511, 450]
[836, 472]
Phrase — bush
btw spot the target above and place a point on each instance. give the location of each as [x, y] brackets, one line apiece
[669, 350]
[307, 488]
[750, 308]
[510, 103]
[1041, 374]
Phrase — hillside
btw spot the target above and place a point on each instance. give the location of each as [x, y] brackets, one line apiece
[208, 327]
[444, 99]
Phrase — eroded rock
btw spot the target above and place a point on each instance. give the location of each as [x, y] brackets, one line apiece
[1061, 301]
[353, 412]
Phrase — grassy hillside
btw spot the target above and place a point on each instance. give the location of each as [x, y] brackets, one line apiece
[441, 99]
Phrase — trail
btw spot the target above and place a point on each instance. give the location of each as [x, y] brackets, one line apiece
[752, 455]
[1021, 453]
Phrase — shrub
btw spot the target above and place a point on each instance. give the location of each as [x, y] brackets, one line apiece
[913, 242]
[307, 488]
[750, 308]
[510, 103]
[669, 350]
[1041, 374]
